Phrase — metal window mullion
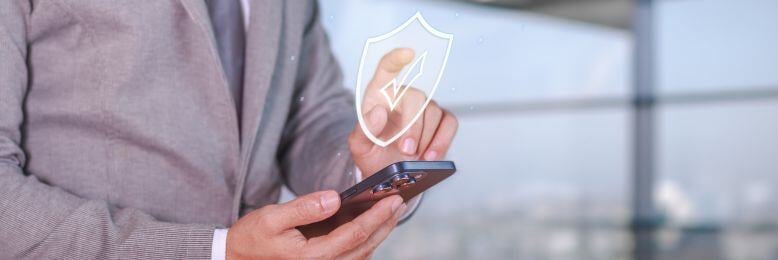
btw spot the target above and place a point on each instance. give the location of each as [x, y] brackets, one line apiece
[644, 217]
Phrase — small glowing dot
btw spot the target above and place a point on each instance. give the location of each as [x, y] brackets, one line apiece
[302, 98]
[331, 17]
[453, 89]
[338, 154]
[480, 40]
[456, 14]
[293, 58]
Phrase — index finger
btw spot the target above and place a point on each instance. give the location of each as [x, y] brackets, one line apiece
[388, 67]
[392, 63]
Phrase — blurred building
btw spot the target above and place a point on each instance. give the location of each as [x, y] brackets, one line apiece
[596, 129]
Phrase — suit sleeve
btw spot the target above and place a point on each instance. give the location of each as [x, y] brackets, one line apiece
[315, 154]
[38, 221]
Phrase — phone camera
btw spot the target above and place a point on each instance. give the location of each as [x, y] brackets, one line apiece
[397, 182]
[402, 181]
[382, 188]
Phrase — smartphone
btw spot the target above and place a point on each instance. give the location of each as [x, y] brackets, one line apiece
[407, 179]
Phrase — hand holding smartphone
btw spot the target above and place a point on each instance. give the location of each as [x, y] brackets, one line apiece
[407, 179]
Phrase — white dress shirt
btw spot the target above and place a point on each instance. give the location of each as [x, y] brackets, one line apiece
[219, 245]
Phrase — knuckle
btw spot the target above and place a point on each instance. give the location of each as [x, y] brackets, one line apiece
[264, 215]
[264, 220]
[435, 110]
[306, 207]
[317, 254]
[367, 253]
[358, 234]
[418, 95]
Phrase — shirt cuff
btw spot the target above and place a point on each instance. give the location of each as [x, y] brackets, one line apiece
[219, 246]
[411, 204]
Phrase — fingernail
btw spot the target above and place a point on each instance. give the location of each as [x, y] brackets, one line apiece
[409, 146]
[431, 156]
[396, 204]
[402, 209]
[329, 201]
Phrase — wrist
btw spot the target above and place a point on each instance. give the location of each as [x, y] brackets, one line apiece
[231, 248]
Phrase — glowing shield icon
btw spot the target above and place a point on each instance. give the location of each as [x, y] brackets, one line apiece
[405, 93]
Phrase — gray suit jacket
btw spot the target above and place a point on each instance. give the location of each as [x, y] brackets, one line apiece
[118, 133]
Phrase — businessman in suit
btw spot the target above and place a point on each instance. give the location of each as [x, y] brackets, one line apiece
[165, 129]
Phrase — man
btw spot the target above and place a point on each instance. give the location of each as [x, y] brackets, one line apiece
[137, 129]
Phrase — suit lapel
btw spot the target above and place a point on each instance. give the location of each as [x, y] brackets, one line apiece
[262, 46]
[198, 12]
[262, 41]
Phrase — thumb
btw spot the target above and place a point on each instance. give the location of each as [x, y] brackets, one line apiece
[375, 120]
[306, 209]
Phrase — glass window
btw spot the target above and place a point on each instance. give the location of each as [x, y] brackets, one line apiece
[716, 182]
[543, 146]
[528, 186]
[498, 55]
[705, 45]
[718, 162]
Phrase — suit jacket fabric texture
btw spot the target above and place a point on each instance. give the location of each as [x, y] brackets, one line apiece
[119, 137]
